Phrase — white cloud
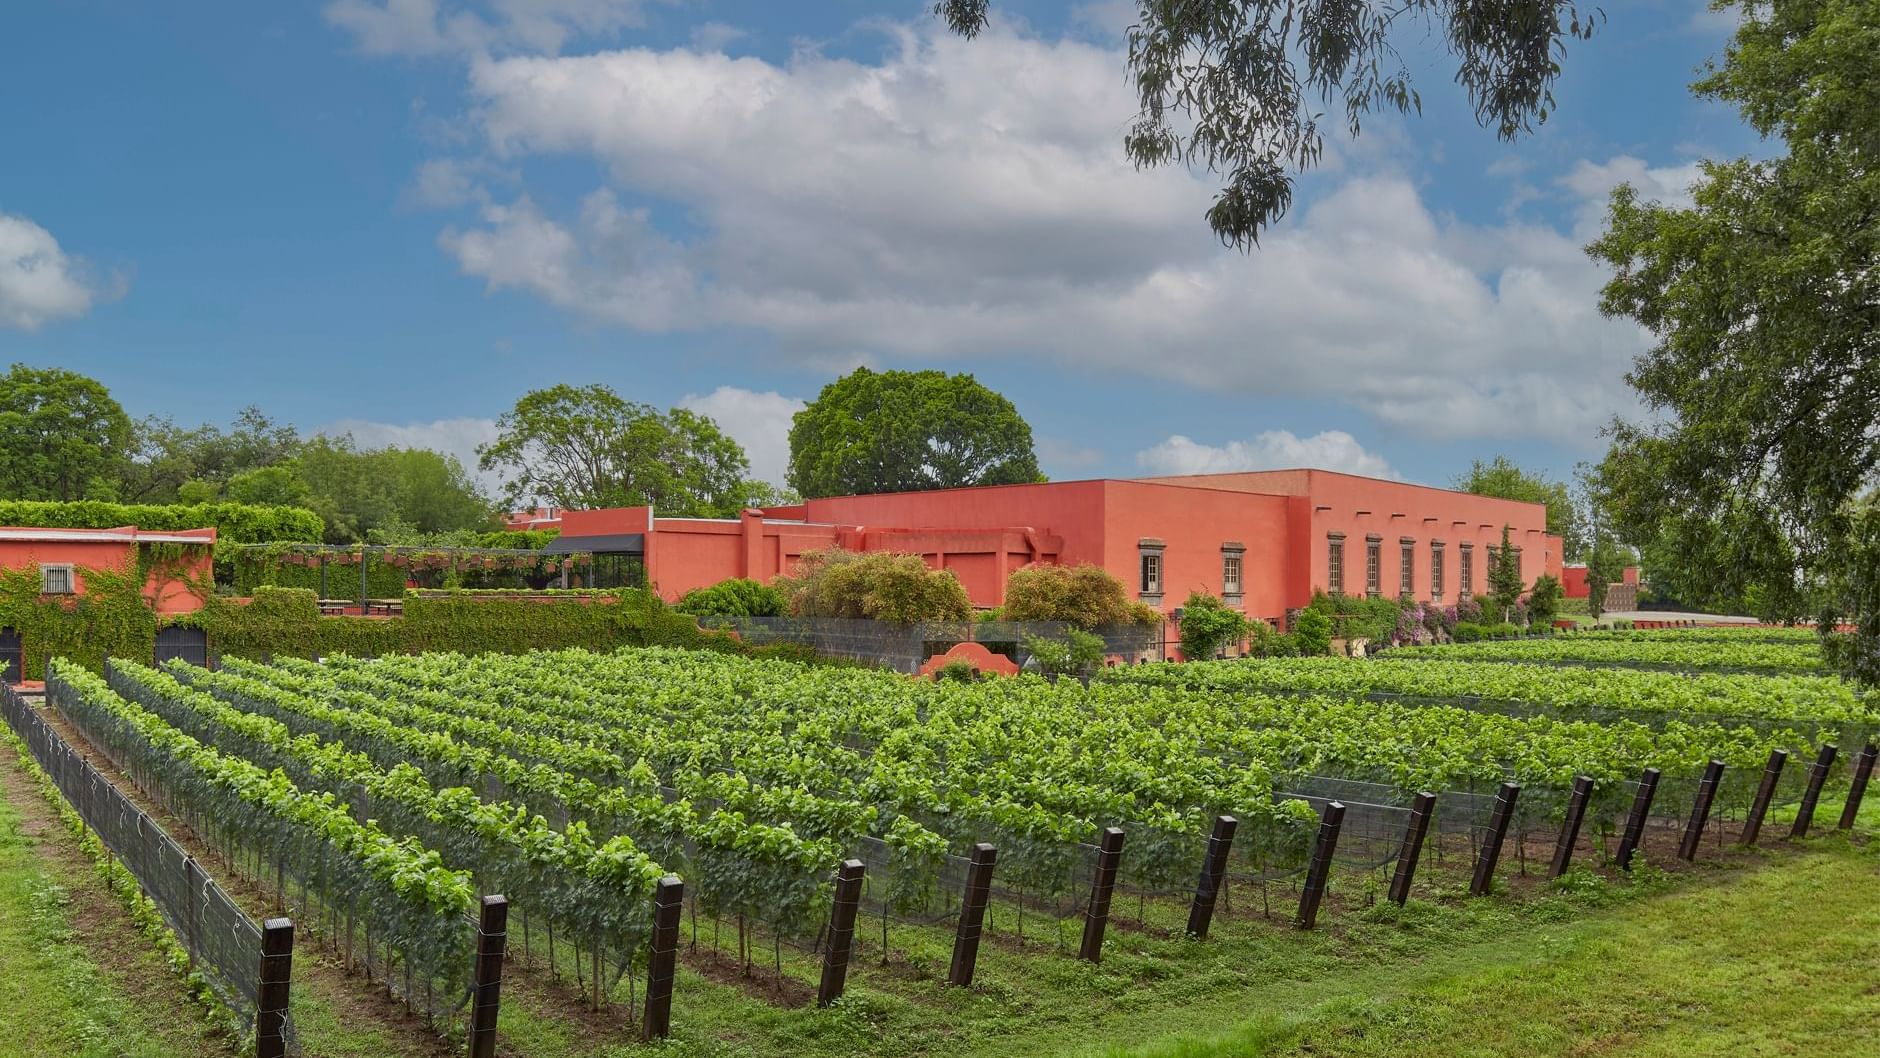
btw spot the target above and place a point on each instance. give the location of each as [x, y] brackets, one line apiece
[758, 421]
[456, 437]
[434, 27]
[971, 198]
[1592, 184]
[1271, 450]
[715, 36]
[445, 183]
[39, 282]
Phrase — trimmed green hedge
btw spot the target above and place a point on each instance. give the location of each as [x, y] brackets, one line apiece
[287, 622]
[240, 523]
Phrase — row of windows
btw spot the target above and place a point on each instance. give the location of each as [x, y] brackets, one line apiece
[1406, 566]
[1232, 566]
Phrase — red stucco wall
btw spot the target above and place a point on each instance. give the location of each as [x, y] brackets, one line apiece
[1282, 519]
[169, 595]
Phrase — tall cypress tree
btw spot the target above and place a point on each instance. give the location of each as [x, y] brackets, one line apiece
[1504, 579]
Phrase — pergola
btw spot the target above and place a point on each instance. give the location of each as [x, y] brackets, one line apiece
[441, 558]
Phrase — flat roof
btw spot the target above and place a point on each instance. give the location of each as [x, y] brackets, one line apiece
[100, 536]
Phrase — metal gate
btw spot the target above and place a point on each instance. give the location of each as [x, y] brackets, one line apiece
[12, 655]
[190, 644]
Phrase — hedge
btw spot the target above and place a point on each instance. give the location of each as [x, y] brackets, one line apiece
[112, 619]
[287, 622]
[240, 523]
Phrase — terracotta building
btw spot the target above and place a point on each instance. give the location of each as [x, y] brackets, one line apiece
[60, 558]
[1264, 541]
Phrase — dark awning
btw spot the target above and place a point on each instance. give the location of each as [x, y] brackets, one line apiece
[610, 543]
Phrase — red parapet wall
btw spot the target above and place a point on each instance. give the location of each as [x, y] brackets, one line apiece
[974, 654]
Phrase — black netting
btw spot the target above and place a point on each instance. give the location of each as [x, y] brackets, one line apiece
[223, 943]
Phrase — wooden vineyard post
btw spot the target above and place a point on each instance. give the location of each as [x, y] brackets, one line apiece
[835, 972]
[1635, 822]
[277, 968]
[1102, 887]
[1570, 827]
[1817, 777]
[486, 990]
[656, 1023]
[1700, 810]
[972, 914]
[1863, 771]
[1213, 869]
[1765, 793]
[1498, 822]
[1320, 867]
[1422, 809]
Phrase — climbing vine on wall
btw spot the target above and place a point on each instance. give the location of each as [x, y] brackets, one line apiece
[111, 617]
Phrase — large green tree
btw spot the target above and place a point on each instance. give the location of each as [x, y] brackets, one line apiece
[167, 458]
[907, 431]
[1501, 478]
[586, 446]
[1238, 86]
[1763, 297]
[62, 436]
[360, 490]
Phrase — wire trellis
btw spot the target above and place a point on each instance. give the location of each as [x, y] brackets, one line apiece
[223, 943]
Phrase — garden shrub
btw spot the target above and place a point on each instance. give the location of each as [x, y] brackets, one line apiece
[737, 597]
[1086, 596]
[1077, 652]
[956, 672]
[1312, 633]
[1544, 600]
[1358, 617]
[877, 585]
[1208, 625]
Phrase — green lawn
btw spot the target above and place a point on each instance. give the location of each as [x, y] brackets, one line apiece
[60, 994]
[1775, 961]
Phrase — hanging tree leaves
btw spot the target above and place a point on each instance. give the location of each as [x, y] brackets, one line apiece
[1234, 85]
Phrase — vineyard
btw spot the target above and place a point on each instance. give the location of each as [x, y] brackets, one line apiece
[810, 810]
[1735, 651]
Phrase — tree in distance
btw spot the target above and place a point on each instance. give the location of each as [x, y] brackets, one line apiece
[908, 431]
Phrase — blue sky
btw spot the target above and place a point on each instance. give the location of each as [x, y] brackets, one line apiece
[396, 218]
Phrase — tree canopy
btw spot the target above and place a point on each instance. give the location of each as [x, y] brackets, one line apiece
[167, 458]
[1235, 86]
[908, 431]
[586, 446]
[1501, 478]
[1763, 298]
[62, 436]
